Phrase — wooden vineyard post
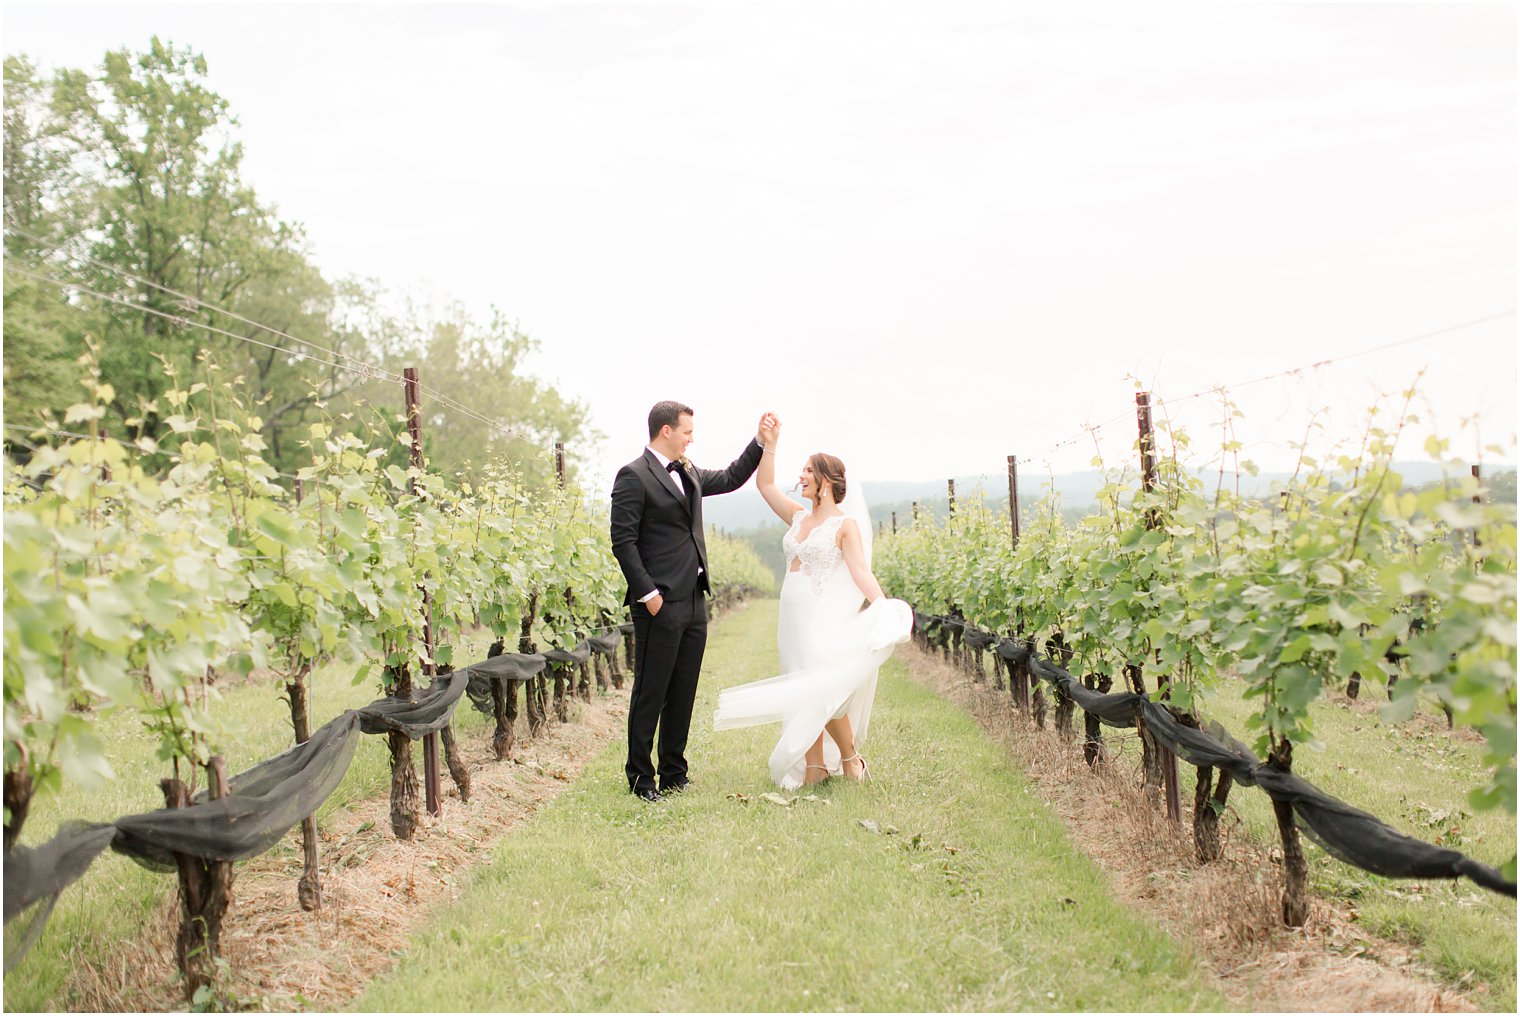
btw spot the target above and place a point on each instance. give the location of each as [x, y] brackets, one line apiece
[576, 679]
[1169, 776]
[1018, 683]
[894, 523]
[1477, 474]
[950, 495]
[1013, 498]
[431, 782]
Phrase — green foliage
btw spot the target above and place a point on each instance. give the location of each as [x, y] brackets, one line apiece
[130, 570]
[735, 562]
[1339, 573]
[125, 180]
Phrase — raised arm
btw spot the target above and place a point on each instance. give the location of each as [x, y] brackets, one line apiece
[765, 477]
[721, 481]
[855, 560]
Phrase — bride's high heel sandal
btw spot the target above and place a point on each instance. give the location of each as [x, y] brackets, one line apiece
[865, 770]
[825, 775]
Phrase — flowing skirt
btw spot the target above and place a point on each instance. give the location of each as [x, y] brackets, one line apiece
[831, 651]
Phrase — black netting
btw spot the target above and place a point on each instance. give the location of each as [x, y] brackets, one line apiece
[504, 667]
[602, 645]
[263, 804]
[978, 639]
[1346, 833]
[1014, 651]
[580, 654]
[34, 877]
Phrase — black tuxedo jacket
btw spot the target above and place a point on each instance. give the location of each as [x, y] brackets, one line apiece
[657, 530]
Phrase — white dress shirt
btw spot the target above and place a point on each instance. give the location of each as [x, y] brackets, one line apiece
[665, 465]
[680, 482]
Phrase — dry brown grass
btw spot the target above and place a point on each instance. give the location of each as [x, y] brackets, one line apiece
[1227, 911]
[376, 890]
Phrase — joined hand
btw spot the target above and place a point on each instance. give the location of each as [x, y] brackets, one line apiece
[769, 431]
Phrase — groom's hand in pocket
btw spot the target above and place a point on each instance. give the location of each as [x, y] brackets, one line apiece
[654, 603]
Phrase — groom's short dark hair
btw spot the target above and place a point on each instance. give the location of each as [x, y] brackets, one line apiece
[666, 414]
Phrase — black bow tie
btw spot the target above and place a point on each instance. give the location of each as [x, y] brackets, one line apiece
[671, 467]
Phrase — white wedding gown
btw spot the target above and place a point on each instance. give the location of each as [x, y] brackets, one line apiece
[831, 651]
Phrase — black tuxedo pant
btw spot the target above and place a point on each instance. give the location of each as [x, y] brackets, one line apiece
[667, 657]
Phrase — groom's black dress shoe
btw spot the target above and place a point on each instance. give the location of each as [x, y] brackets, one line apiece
[647, 793]
[675, 788]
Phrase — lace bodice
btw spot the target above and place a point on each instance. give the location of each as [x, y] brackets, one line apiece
[820, 554]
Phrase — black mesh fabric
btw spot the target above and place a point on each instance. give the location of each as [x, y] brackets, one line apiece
[580, 654]
[264, 803]
[1346, 833]
[427, 713]
[506, 667]
[1014, 652]
[34, 878]
[978, 639]
[602, 645]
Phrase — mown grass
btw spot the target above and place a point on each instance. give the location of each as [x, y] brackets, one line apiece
[1415, 776]
[977, 901]
[116, 897]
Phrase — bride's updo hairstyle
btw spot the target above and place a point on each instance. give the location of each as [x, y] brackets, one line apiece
[828, 469]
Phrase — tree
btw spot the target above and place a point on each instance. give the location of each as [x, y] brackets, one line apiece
[490, 407]
[42, 333]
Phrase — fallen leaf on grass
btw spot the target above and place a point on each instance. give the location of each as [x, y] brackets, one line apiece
[777, 799]
[869, 825]
[741, 798]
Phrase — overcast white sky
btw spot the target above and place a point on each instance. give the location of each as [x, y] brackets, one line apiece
[927, 235]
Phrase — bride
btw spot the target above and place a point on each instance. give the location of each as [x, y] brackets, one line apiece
[830, 649]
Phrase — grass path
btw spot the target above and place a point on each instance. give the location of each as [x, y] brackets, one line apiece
[710, 901]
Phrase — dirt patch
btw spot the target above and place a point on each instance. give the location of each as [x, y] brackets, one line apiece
[376, 890]
[1226, 911]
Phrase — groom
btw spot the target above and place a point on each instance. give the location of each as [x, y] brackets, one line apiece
[657, 539]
